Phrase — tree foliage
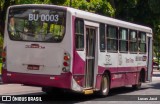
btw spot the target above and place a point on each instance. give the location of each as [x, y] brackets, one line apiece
[144, 12]
[154, 6]
[97, 6]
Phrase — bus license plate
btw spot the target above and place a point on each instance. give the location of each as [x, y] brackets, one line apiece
[33, 67]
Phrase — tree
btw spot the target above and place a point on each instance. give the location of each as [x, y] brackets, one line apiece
[96, 6]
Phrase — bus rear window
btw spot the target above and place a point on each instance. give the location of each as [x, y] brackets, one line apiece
[41, 25]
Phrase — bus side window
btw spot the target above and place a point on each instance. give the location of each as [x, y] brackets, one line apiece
[79, 34]
[142, 42]
[123, 40]
[102, 37]
[133, 46]
[112, 38]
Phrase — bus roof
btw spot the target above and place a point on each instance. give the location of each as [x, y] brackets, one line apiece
[108, 20]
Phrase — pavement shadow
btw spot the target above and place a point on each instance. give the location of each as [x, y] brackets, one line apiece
[71, 97]
[123, 90]
[155, 86]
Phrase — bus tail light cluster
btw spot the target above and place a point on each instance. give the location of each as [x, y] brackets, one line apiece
[4, 58]
[66, 62]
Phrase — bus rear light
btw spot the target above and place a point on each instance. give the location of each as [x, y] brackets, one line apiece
[78, 81]
[3, 54]
[65, 64]
[66, 58]
[4, 58]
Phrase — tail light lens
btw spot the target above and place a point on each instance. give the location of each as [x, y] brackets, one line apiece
[66, 62]
[4, 58]
[66, 58]
[4, 53]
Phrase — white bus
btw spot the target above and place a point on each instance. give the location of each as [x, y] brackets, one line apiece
[58, 47]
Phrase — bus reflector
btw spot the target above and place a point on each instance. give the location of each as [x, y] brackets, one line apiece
[9, 74]
[54, 78]
[86, 92]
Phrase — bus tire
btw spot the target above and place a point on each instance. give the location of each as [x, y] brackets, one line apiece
[105, 86]
[138, 86]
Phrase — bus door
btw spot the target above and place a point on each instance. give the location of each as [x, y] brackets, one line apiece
[91, 40]
[149, 59]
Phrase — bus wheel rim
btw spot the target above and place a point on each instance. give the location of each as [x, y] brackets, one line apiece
[105, 89]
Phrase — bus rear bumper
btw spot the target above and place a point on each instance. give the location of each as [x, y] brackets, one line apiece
[59, 81]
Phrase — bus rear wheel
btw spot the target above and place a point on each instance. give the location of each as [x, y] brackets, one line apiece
[138, 86]
[104, 91]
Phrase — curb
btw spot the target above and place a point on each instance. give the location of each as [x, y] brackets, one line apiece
[155, 70]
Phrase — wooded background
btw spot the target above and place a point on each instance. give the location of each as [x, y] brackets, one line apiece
[143, 12]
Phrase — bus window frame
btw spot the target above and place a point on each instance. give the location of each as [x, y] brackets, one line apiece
[79, 49]
[139, 42]
[102, 50]
[133, 52]
[110, 38]
[127, 40]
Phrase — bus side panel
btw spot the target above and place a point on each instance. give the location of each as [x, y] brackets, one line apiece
[124, 76]
[78, 69]
[129, 75]
[130, 78]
